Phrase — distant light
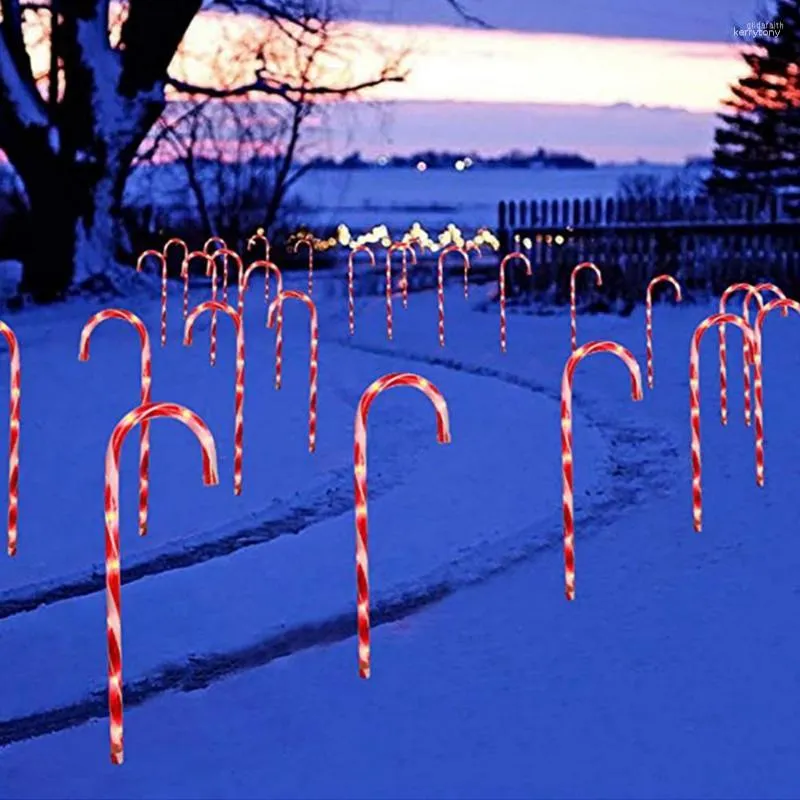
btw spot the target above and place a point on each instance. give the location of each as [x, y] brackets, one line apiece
[460, 165]
[386, 242]
[421, 166]
[468, 162]
[527, 243]
[383, 161]
[559, 239]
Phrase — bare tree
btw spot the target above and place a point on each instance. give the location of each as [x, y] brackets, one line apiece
[72, 133]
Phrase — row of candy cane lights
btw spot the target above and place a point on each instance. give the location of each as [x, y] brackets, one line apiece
[147, 410]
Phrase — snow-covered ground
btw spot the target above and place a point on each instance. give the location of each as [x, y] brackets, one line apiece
[671, 674]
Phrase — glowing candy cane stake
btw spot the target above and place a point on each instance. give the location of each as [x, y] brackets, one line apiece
[217, 241]
[694, 397]
[225, 253]
[146, 380]
[238, 434]
[389, 293]
[13, 437]
[277, 305]
[113, 610]
[467, 265]
[567, 475]
[309, 243]
[573, 304]
[351, 305]
[785, 305]
[405, 248]
[209, 265]
[259, 236]
[160, 257]
[765, 287]
[184, 272]
[360, 483]
[506, 260]
[649, 319]
[723, 357]
[268, 267]
[440, 283]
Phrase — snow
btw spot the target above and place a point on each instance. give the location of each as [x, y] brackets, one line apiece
[672, 674]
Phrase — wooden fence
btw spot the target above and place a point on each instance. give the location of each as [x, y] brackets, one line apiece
[706, 245]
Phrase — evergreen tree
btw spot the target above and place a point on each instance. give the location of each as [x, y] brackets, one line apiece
[757, 145]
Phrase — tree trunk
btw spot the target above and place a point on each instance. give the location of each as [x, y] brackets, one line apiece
[75, 228]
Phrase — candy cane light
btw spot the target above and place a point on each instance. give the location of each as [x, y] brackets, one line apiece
[750, 347]
[723, 351]
[138, 416]
[176, 242]
[351, 303]
[15, 389]
[238, 433]
[145, 372]
[405, 248]
[765, 287]
[507, 260]
[360, 483]
[567, 470]
[214, 241]
[139, 263]
[784, 304]
[440, 282]
[259, 236]
[226, 254]
[309, 243]
[469, 247]
[276, 312]
[573, 297]
[649, 319]
[268, 267]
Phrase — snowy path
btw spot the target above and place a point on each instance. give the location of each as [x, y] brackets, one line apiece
[495, 689]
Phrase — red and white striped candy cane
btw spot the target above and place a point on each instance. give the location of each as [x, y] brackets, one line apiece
[567, 473]
[360, 484]
[510, 257]
[784, 304]
[468, 264]
[440, 283]
[160, 257]
[405, 248]
[216, 241]
[573, 297]
[723, 351]
[649, 319]
[694, 397]
[389, 321]
[238, 431]
[184, 273]
[351, 303]
[277, 307]
[259, 236]
[268, 267]
[309, 243]
[139, 415]
[146, 373]
[226, 254]
[765, 287]
[210, 267]
[15, 389]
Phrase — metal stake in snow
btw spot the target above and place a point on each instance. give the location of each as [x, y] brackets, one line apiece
[440, 283]
[277, 307]
[567, 475]
[184, 272]
[649, 319]
[160, 257]
[750, 349]
[259, 236]
[113, 609]
[351, 304]
[13, 436]
[268, 267]
[785, 305]
[360, 483]
[309, 243]
[146, 380]
[723, 357]
[469, 248]
[510, 257]
[573, 297]
[238, 434]
[405, 248]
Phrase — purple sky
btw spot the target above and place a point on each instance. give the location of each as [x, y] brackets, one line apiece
[606, 133]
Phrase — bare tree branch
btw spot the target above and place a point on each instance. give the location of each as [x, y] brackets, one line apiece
[472, 19]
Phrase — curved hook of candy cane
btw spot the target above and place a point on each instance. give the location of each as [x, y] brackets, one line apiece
[764, 287]
[142, 414]
[785, 305]
[750, 350]
[260, 236]
[268, 266]
[351, 306]
[238, 437]
[567, 475]
[649, 319]
[360, 482]
[218, 241]
[440, 282]
[510, 257]
[226, 254]
[573, 297]
[146, 383]
[175, 240]
[15, 389]
[472, 246]
[163, 260]
[277, 306]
